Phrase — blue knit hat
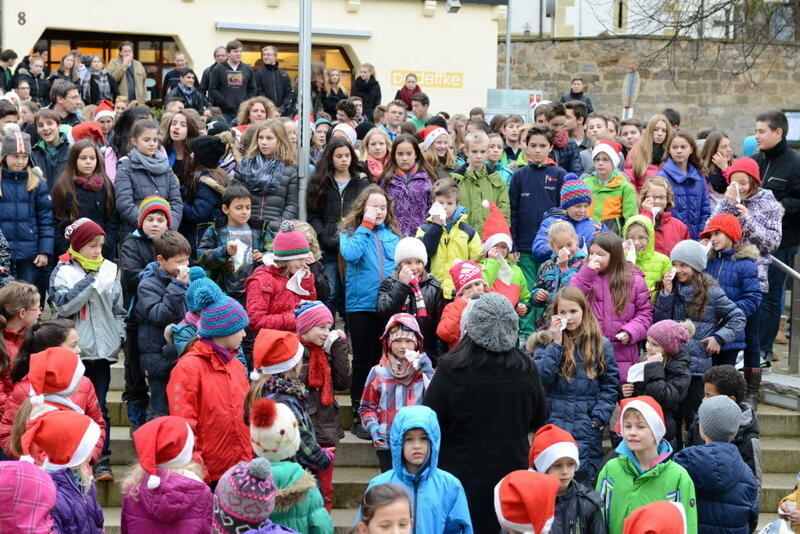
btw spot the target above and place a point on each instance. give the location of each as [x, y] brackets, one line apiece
[198, 283]
[574, 191]
[221, 315]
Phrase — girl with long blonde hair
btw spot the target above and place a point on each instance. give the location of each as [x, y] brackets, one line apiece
[650, 152]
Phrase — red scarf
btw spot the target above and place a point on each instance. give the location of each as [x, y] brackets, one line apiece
[92, 183]
[561, 139]
[319, 373]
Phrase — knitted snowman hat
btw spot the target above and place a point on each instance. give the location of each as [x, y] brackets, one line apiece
[495, 229]
[275, 351]
[165, 442]
[525, 501]
[54, 371]
[273, 430]
[550, 444]
[67, 439]
[650, 410]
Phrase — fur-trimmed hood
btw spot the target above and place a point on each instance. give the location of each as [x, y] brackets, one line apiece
[741, 251]
[213, 184]
[295, 493]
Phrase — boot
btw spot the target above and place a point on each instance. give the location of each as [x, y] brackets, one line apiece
[781, 338]
[752, 379]
[357, 429]
[137, 415]
[102, 469]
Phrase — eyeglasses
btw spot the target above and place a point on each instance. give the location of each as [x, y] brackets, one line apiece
[32, 309]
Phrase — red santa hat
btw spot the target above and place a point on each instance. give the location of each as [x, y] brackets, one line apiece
[56, 371]
[495, 229]
[430, 135]
[610, 148]
[466, 273]
[275, 351]
[650, 410]
[88, 130]
[525, 501]
[165, 442]
[550, 444]
[67, 439]
[104, 109]
[660, 517]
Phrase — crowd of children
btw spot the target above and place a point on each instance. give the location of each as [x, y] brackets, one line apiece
[619, 277]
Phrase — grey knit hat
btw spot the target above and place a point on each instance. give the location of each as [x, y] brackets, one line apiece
[15, 141]
[719, 418]
[691, 253]
[493, 324]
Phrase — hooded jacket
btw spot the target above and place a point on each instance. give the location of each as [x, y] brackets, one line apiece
[31, 496]
[298, 504]
[412, 200]
[438, 501]
[335, 207]
[669, 231]
[667, 383]
[180, 505]
[761, 227]
[270, 304]
[586, 228]
[636, 318]
[369, 255]
[736, 273]
[26, 218]
[210, 394]
[370, 93]
[578, 511]
[653, 264]
[534, 189]
[692, 204]
[613, 201]
[780, 173]
[721, 319]
[480, 185]
[727, 496]
[580, 401]
[75, 512]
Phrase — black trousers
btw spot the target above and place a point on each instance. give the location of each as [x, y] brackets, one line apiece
[365, 331]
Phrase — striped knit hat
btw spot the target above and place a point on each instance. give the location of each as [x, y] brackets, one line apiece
[244, 497]
[15, 141]
[311, 313]
[290, 244]
[221, 315]
[199, 284]
[574, 191]
[151, 204]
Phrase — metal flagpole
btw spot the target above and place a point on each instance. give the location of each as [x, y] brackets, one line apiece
[304, 100]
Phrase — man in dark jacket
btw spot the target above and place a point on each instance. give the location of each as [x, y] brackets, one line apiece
[7, 59]
[232, 82]
[273, 82]
[576, 93]
[780, 173]
[220, 56]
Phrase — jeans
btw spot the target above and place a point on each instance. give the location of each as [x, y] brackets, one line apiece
[752, 338]
[99, 373]
[336, 301]
[25, 271]
[772, 306]
[159, 405]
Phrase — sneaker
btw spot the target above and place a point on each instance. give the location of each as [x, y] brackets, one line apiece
[766, 365]
[102, 469]
[359, 431]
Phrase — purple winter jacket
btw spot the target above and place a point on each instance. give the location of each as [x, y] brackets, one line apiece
[272, 528]
[635, 320]
[75, 512]
[411, 195]
[180, 505]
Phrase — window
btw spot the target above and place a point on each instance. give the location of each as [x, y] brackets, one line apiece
[331, 56]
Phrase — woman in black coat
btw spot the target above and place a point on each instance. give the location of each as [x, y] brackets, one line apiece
[368, 88]
[488, 398]
[98, 85]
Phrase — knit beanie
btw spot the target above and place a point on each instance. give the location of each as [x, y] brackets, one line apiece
[208, 149]
[609, 148]
[199, 284]
[650, 410]
[525, 501]
[15, 142]
[220, 315]
[309, 314]
[465, 273]
[166, 442]
[745, 165]
[29, 495]
[81, 232]
[725, 223]
[495, 229]
[347, 130]
[574, 191]
[88, 130]
[410, 248]
[244, 497]
[670, 335]
[66, 438]
[401, 326]
[430, 135]
[719, 418]
[274, 352]
[56, 371]
[290, 244]
[151, 204]
[550, 444]
[659, 517]
[274, 432]
[217, 126]
[105, 109]
[363, 129]
[493, 324]
[691, 253]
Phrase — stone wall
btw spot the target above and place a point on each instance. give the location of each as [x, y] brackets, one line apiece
[708, 92]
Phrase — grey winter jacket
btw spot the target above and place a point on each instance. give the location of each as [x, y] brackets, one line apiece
[282, 204]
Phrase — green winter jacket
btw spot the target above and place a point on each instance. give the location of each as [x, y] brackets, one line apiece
[491, 268]
[653, 264]
[477, 186]
[623, 488]
[613, 202]
[299, 505]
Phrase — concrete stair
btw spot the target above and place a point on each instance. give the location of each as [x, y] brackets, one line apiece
[780, 454]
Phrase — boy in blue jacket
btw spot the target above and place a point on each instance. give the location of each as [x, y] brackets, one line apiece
[727, 496]
[160, 302]
[438, 501]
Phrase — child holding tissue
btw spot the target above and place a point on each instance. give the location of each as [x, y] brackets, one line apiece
[639, 246]
[656, 201]
[400, 379]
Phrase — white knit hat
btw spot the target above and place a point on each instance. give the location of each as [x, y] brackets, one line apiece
[273, 430]
[410, 248]
[348, 130]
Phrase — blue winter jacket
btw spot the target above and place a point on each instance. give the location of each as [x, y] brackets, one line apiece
[737, 274]
[727, 497]
[26, 218]
[569, 157]
[577, 403]
[534, 189]
[692, 206]
[201, 211]
[438, 500]
[369, 255]
[585, 230]
[721, 319]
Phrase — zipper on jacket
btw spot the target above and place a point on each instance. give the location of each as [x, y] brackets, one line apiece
[380, 253]
[416, 488]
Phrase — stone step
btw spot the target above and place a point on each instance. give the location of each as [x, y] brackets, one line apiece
[780, 455]
[776, 421]
[774, 487]
[781, 390]
[764, 519]
[117, 376]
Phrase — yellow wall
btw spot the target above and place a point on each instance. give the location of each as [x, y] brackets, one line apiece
[402, 39]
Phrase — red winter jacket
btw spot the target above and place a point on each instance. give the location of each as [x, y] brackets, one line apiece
[269, 303]
[84, 397]
[449, 328]
[12, 340]
[210, 395]
[669, 232]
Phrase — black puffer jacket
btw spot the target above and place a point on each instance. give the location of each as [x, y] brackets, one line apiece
[330, 99]
[282, 204]
[780, 173]
[273, 83]
[92, 205]
[370, 93]
[667, 384]
[578, 511]
[335, 206]
[395, 296]
[40, 88]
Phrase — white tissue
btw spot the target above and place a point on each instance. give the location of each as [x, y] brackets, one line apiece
[738, 195]
[563, 325]
[636, 373]
[655, 210]
[630, 251]
[294, 282]
[239, 255]
[105, 278]
[332, 337]
[414, 357]
[437, 210]
[620, 336]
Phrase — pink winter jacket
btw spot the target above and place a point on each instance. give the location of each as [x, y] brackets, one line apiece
[635, 320]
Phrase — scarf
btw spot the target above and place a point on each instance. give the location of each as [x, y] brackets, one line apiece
[561, 139]
[375, 167]
[103, 85]
[155, 165]
[188, 91]
[261, 175]
[405, 94]
[407, 176]
[418, 300]
[88, 265]
[224, 355]
[288, 386]
[319, 373]
[94, 182]
[401, 370]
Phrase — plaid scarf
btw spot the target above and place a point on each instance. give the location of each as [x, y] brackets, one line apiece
[103, 86]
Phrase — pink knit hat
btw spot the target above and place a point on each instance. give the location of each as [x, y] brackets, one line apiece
[311, 313]
[290, 244]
